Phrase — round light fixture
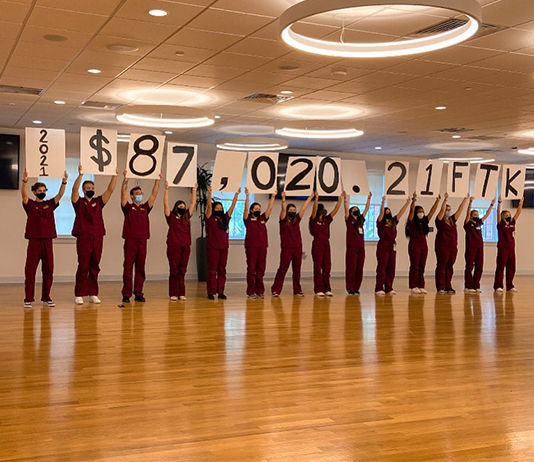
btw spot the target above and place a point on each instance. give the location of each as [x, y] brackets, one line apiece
[59, 102]
[317, 129]
[308, 8]
[121, 48]
[286, 92]
[37, 122]
[164, 116]
[158, 13]
[527, 151]
[252, 144]
[456, 137]
[217, 116]
[168, 132]
[94, 71]
[55, 38]
[440, 108]
[378, 148]
[180, 53]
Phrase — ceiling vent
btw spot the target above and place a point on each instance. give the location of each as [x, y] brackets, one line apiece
[485, 138]
[101, 105]
[20, 90]
[455, 130]
[265, 98]
[454, 23]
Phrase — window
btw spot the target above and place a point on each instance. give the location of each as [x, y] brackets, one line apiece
[65, 212]
[489, 228]
[376, 185]
[237, 226]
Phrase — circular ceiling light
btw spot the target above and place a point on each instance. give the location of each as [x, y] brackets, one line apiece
[158, 13]
[252, 144]
[325, 111]
[317, 129]
[378, 148]
[58, 101]
[456, 137]
[165, 116]
[527, 151]
[286, 92]
[37, 122]
[94, 71]
[440, 108]
[309, 8]
[55, 38]
[121, 48]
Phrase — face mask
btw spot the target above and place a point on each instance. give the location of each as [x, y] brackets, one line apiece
[448, 213]
[138, 198]
[218, 213]
[388, 216]
[420, 215]
[89, 194]
[180, 211]
[508, 219]
[356, 213]
[292, 214]
[475, 218]
[257, 213]
[40, 196]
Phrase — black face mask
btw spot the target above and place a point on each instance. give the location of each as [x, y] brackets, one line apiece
[388, 216]
[257, 213]
[40, 196]
[89, 194]
[508, 219]
[356, 213]
[292, 214]
[218, 213]
[180, 211]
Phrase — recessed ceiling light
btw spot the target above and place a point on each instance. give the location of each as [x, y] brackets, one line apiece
[309, 8]
[456, 136]
[168, 132]
[286, 92]
[59, 102]
[441, 108]
[528, 151]
[252, 144]
[180, 53]
[378, 148]
[94, 71]
[55, 38]
[289, 67]
[121, 48]
[158, 13]
[217, 117]
[37, 122]
[317, 129]
[164, 116]
[468, 88]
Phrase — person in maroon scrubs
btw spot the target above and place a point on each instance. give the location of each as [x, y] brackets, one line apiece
[355, 253]
[89, 231]
[446, 244]
[178, 241]
[136, 233]
[40, 232]
[217, 226]
[417, 229]
[474, 247]
[386, 249]
[506, 248]
[256, 243]
[290, 246]
[319, 226]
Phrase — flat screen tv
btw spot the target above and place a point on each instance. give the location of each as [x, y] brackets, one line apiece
[529, 190]
[9, 161]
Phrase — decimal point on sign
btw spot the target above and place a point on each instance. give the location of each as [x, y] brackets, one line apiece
[356, 189]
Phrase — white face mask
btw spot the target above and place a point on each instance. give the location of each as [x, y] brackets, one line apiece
[448, 213]
[420, 215]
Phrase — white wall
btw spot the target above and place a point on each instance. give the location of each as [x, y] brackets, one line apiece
[13, 244]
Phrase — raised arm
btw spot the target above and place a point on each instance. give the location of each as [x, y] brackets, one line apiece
[111, 187]
[347, 207]
[124, 189]
[404, 208]
[209, 207]
[315, 205]
[443, 208]
[463, 205]
[155, 190]
[24, 188]
[338, 205]
[305, 206]
[367, 205]
[412, 207]
[75, 196]
[234, 202]
[193, 200]
[519, 209]
[434, 207]
[247, 204]
[488, 213]
[468, 212]
[283, 211]
[270, 206]
[382, 209]
[499, 209]
[166, 208]
[61, 191]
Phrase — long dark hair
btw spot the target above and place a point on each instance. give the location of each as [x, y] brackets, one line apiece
[421, 225]
[223, 222]
[318, 217]
[359, 218]
[186, 214]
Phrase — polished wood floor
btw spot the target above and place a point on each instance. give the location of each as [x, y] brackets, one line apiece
[404, 378]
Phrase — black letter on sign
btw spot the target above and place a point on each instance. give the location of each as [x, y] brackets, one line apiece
[457, 175]
[391, 190]
[254, 173]
[190, 152]
[509, 179]
[427, 191]
[489, 168]
[335, 183]
[144, 152]
[294, 185]
[43, 150]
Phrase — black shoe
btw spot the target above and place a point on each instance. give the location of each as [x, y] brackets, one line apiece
[357, 292]
[222, 297]
[140, 298]
[350, 292]
[211, 297]
[450, 291]
[125, 299]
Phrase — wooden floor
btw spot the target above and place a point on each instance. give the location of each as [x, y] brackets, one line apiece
[404, 378]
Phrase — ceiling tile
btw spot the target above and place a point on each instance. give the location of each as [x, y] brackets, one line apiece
[229, 22]
[178, 13]
[137, 30]
[260, 47]
[163, 65]
[65, 20]
[190, 55]
[237, 61]
[197, 38]
[101, 7]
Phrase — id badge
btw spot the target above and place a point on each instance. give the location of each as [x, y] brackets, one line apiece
[360, 230]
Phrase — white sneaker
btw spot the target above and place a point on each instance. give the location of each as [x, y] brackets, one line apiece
[380, 292]
[329, 294]
[94, 299]
[415, 290]
[274, 294]
[49, 304]
[469, 291]
[513, 289]
[183, 298]
[441, 292]
[174, 298]
[78, 300]
[499, 290]
[27, 304]
[478, 291]
[423, 291]
[300, 295]
[392, 292]
[319, 294]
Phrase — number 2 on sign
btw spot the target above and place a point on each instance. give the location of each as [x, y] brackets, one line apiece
[43, 150]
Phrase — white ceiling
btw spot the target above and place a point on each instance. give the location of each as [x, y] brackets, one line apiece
[231, 49]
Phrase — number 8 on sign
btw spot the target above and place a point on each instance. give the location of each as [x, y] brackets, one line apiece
[145, 155]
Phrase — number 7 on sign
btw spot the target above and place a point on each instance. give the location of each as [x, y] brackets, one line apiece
[182, 165]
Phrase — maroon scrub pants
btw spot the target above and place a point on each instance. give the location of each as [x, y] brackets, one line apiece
[322, 265]
[354, 261]
[446, 257]
[217, 259]
[474, 258]
[89, 250]
[178, 257]
[386, 256]
[288, 256]
[418, 252]
[39, 250]
[134, 254]
[505, 260]
[256, 264]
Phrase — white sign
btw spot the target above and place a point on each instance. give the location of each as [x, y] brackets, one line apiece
[300, 176]
[458, 179]
[429, 178]
[228, 171]
[182, 164]
[262, 172]
[45, 152]
[397, 179]
[98, 151]
[354, 176]
[328, 176]
[145, 156]
[486, 180]
[513, 181]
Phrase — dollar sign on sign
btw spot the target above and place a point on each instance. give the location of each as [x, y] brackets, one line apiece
[96, 143]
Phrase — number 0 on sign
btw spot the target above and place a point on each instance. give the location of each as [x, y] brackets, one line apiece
[145, 156]
[45, 152]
